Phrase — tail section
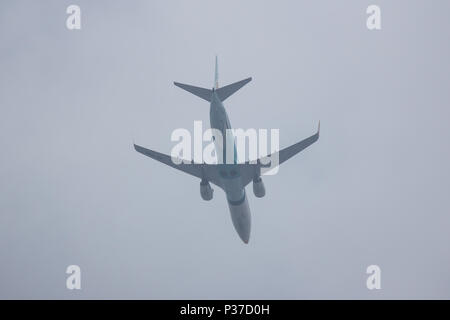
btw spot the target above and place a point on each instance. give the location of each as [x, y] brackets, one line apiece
[222, 93]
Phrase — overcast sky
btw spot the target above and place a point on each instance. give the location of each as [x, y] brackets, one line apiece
[373, 190]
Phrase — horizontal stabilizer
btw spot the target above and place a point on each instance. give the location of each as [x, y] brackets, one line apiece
[224, 92]
[199, 92]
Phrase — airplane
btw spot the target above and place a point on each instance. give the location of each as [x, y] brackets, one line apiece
[232, 177]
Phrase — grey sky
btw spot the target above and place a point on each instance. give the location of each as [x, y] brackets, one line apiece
[372, 190]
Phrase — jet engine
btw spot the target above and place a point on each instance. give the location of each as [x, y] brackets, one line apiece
[258, 187]
[206, 191]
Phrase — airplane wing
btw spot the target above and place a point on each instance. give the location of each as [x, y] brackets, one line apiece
[199, 170]
[289, 152]
[249, 171]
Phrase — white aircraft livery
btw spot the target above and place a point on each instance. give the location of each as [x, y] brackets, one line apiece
[231, 177]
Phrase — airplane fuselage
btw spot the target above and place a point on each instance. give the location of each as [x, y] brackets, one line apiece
[229, 173]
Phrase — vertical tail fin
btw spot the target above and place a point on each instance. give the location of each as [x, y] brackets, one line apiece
[216, 75]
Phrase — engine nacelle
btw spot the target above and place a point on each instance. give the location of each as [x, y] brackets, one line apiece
[258, 187]
[206, 191]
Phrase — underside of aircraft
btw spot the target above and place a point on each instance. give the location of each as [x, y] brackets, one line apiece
[232, 177]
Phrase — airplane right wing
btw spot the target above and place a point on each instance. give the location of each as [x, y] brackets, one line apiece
[249, 170]
[289, 152]
[199, 170]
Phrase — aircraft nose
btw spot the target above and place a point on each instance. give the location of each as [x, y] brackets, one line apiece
[240, 215]
[245, 236]
[242, 227]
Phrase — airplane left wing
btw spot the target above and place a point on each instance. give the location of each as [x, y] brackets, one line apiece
[199, 170]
